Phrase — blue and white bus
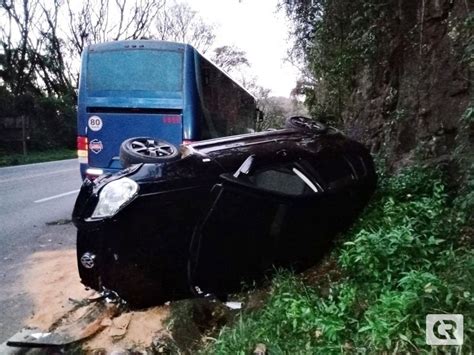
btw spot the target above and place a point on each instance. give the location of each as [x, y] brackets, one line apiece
[156, 89]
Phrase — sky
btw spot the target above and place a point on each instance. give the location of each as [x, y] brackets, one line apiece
[256, 27]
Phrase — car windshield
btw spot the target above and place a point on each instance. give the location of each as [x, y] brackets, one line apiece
[140, 71]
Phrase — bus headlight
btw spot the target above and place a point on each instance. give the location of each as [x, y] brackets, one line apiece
[113, 196]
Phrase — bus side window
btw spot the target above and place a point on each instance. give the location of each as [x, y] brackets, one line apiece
[211, 102]
[227, 108]
[205, 77]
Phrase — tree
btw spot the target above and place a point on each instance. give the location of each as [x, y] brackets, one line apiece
[53, 35]
[332, 39]
[98, 21]
[18, 58]
[180, 23]
[234, 62]
[230, 58]
[55, 70]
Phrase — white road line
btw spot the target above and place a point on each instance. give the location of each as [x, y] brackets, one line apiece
[39, 175]
[57, 196]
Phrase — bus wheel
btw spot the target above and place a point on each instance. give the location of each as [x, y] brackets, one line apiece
[306, 124]
[147, 150]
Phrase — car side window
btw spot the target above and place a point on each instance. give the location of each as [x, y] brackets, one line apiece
[333, 172]
[287, 180]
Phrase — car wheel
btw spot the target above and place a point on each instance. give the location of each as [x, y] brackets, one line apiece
[147, 150]
[306, 124]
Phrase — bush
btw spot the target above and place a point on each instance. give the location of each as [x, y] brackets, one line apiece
[52, 121]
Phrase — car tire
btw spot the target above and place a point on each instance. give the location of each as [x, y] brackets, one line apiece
[147, 150]
[305, 124]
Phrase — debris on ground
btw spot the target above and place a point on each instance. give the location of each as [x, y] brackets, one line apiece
[59, 222]
[137, 331]
[60, 302]
[234, 305]
[260, 349]
[50, 278]
[68, 329]
[118, 326]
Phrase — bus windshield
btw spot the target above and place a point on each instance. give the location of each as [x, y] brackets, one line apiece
[139, 72]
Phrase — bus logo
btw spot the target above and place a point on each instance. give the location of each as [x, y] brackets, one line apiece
[96, 146]
[95, 123]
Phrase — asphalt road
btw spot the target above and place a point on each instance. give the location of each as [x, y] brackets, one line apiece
[36, 203]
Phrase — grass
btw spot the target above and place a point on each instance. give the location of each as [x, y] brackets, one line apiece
[409, 255]
[36, 157]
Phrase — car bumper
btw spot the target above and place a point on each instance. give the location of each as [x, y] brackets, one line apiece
[141, 271]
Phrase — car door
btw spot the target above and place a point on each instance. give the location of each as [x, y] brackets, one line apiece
[240, 237]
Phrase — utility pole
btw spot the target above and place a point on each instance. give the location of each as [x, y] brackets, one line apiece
[23, 134]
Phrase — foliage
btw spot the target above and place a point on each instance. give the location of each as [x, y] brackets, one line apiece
[55, 122]
[407, 257]
[180, 23]
[276, 109]
[333, 39]
[230, 58]
[468, 27]
[36, 157]
[465, 161]
[52, 121]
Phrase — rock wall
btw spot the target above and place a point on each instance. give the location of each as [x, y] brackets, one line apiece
[410, 104]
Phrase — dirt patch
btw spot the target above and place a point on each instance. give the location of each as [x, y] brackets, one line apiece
[322, 275]
[51, 280]
[137, 330]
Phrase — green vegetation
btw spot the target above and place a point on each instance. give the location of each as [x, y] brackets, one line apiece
[36, 157]
[409, 255]
[351, 51]
[50, 122]
[335, 39]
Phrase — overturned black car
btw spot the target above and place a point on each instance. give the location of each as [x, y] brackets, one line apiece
[219, 212]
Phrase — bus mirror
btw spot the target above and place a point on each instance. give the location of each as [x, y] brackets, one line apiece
[259, 115]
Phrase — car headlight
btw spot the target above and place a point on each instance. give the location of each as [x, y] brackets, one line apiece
[113, 196]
